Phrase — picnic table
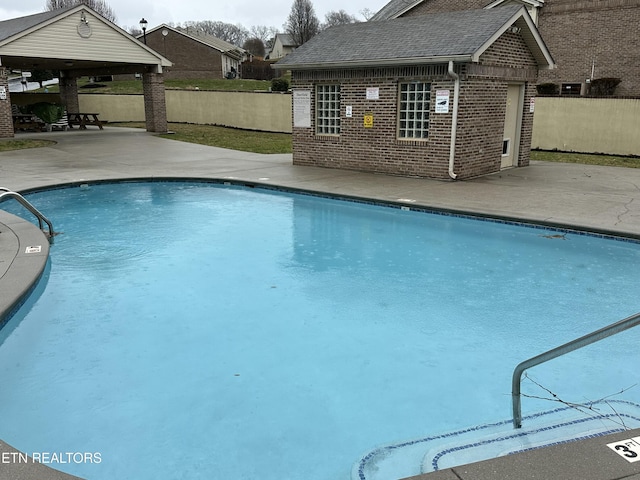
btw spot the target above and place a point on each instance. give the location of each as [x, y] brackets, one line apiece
[84, 119]
[26, 121]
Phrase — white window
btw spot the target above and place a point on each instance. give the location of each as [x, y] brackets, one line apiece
[413, 114]
[328, 109]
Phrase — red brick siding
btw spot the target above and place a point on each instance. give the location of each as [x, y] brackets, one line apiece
[577, 33]
[191, 59]
[155, 108]
[527, 125]
[69, 94]
[510, 50]
[6, 120]
[373, 149]
[580, 32]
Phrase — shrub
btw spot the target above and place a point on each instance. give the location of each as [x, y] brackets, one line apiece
[47, 112]
[279, 85]
[257, 69]
[548, 89]
[602, 87]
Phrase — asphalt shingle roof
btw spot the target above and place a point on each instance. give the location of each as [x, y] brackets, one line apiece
[430, 37]
[391, 9]
[9, 28]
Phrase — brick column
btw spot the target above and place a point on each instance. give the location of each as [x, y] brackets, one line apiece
[155, 107]
[6, 120]
[69, 93]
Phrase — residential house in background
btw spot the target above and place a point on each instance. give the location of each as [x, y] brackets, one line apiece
[195, 54]
[282, 46]
[589, 39]
[444, 95]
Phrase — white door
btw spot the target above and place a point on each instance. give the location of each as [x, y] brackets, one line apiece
[512, 121]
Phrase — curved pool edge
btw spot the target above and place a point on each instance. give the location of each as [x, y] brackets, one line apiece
[24, 251]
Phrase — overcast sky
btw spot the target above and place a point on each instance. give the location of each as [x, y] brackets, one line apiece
[248, 13]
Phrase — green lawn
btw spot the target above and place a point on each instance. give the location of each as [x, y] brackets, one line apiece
[135, 86]
[233, 138]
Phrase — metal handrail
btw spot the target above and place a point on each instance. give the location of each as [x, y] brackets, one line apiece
[583, 341]
[23, 201]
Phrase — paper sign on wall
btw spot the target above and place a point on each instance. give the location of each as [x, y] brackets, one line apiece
[302, 108]
[348, 111]
[532, 104]
[442, 101]
[3, 93]
[373, 93]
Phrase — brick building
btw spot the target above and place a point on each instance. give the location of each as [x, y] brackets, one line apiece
[446, 95]
[592, 39]
[589, 39]
[195, 54]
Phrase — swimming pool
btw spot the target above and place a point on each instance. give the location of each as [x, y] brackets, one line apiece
[194, 330]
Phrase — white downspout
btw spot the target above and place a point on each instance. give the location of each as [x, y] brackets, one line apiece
[454, 120]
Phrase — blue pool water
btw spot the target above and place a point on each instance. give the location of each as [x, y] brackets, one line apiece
[198, 331]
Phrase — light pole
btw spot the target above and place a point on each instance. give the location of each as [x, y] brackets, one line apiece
[143, 26]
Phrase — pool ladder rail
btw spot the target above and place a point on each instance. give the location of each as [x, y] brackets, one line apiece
[588, 339]
[7, 193]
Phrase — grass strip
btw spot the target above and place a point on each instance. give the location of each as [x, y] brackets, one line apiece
[223, 137]
[12, 144]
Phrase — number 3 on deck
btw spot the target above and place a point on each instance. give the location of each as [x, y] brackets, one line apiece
[629, 449]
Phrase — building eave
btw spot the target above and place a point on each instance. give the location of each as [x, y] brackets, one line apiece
[394, 62]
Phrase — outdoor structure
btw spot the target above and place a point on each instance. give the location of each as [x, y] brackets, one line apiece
[589, 39]
[447, 95]
[282, 46]
[77, 42]
[195, 54]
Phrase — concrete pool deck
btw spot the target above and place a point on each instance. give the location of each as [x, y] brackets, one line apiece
[602, 199]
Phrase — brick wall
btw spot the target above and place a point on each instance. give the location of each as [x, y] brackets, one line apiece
[374, 149]
[481, 117]
[191, 59]
[603, 34]
[580, 34]
[6, 120]
[155, 109]
[69, 93]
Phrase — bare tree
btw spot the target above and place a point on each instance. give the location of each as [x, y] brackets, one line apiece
[99, 6]
[340, 17]
[266, 34]
[366, 13]
[302, 23]
[234, 34]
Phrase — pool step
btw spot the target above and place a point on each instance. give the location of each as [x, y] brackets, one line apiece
[552, 427]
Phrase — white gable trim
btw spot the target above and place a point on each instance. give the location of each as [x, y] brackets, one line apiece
[407, 8]
[532, 3]
[521, 19]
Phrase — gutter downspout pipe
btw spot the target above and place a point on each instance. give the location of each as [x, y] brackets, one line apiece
[454, 119]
